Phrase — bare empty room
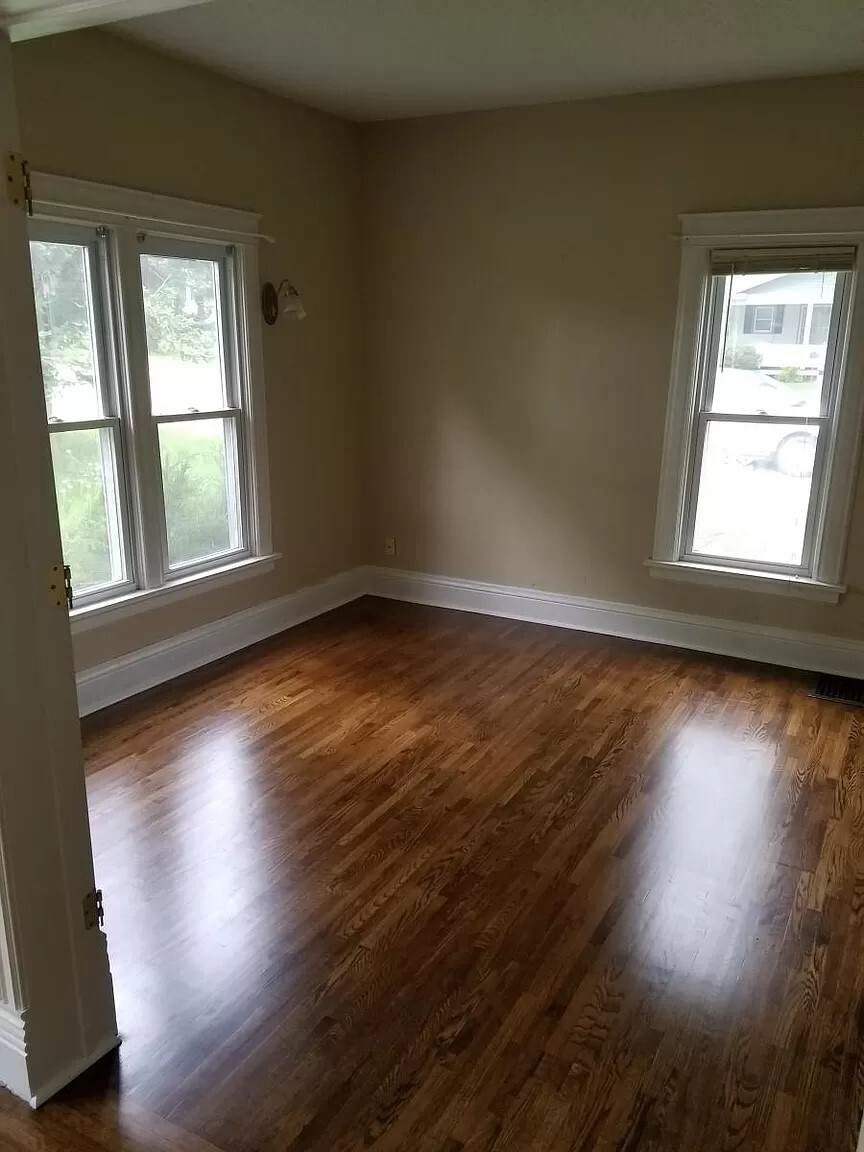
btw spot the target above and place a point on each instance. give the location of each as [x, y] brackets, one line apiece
[433, 633]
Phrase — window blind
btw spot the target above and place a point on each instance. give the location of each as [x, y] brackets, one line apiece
[750, 261]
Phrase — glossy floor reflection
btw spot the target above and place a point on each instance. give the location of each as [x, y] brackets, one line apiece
[412, 879]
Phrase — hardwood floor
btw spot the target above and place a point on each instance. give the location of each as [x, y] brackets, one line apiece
[412, 879]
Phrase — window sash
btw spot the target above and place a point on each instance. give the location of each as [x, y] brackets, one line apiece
[123, 378]
[223, 257]
[95, 243]
[711, 320]
[121, 546]
[238, 460]
[688, 552]
[235, 471]
[197, 414]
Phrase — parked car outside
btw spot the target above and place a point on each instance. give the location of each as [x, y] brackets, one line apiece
[786, 448]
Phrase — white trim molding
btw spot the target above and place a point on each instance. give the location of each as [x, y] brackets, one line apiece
[85, 201]
[118, 227]
[44, 1092]
[14, 1073]
[800, 587]
[815, 225]
[834, 236]
[766, 645]
[56, 981]
[104, 613]
[137, 671]
[15, 1070]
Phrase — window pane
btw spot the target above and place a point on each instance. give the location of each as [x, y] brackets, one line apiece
[821, 322]
[87, 500]
[184, 334]
[773, 343]
[754, 491]
[199, 480]
[64, 313]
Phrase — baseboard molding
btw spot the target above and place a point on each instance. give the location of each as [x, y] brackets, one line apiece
[137, 671]
[14, 1067]
[56, 1083]
[14, 1073]
[701, 633]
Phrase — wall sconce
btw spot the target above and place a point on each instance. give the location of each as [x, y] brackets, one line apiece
[275, 301]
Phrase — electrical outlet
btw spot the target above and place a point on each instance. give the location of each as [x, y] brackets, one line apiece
[389, 545]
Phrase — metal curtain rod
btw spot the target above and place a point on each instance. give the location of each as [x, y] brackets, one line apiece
[764, 237]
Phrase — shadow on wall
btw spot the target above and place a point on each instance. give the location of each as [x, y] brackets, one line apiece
[540, 431]
[524, 297]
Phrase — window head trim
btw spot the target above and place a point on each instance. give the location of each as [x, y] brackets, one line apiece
[793, 227]
[838, 230]
[64, 198]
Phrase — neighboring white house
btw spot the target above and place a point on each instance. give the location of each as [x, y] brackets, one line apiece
[784, 317]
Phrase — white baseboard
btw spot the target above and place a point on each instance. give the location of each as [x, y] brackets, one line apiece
[14, 1073]
[702, 633]
[137, 671]
[14, 1067]
[56, 1083]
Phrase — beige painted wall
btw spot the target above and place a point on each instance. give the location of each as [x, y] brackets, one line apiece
[100, 108]
[514, 322]
[521, 294]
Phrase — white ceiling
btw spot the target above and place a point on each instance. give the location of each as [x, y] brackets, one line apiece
[374, 59]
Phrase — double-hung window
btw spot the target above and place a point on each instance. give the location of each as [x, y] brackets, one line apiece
[150, 352]
[764, 319]
[764, 415]
[83, 406]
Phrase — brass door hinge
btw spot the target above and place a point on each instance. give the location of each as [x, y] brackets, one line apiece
[67, 584]
[94, 913]
[18, 187]
[56, 585]
[60, 586]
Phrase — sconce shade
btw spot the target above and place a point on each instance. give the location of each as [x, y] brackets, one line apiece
[288, 294]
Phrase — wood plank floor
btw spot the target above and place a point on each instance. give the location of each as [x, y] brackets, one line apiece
[412, 879]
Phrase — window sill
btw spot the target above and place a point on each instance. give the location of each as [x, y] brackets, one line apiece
[133, 603]
[746, 580]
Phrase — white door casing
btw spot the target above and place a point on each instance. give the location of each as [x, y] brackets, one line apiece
[56, 996]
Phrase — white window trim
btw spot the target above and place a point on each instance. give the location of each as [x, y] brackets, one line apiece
[67, 200]
[801, 587]
[699, 234]
[144, 599]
